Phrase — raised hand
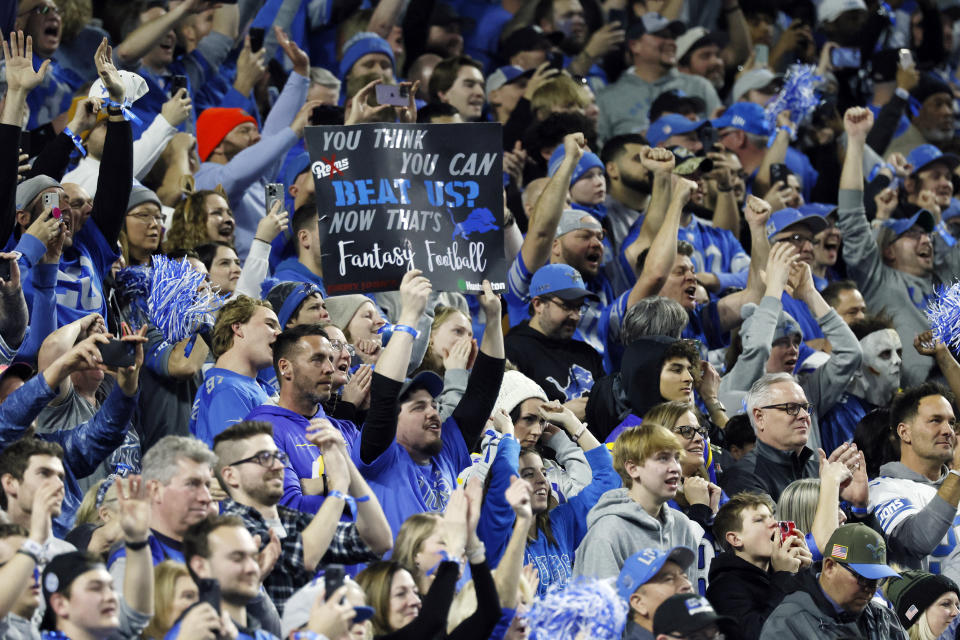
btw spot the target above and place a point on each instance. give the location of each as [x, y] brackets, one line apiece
[886, 202]
[177, 109]
[408, 113]
[757, 212]
[455, 523]
[332, 617]
[360, 108]
[107, 72]
[47, 500]
[857, 122]
[415, 289]
[558, 414]
[201, 622]
[605, 39]
[11, 285]
[269, 555]
[85, 115]
[518, 497]
[489, 302]
[20, 76]
[133, 508]
[273, 224]
[543, 73]
[296, 55]
[369, 350]
[574, 144]
[128, 377]
[657, 160]
[251, 65]
[683, 190]
[780, 263]
[501, 422]
[357, 390]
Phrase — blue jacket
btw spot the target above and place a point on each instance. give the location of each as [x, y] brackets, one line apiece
[305, 461]
[84, 446]
[568, 521]
[292, 270]
[224, 398]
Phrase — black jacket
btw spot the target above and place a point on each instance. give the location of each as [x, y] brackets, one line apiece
[768, 470]
[562, 368]
[746, 593]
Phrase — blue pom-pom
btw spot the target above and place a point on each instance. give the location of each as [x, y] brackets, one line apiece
[797, 96]
[181, 301]
[584, 606]
[268, 283]
[134, 284]
[943, 313]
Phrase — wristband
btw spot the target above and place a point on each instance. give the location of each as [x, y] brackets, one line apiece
[136, 546]
[445, 558]
[773, 138]
[403, 328]
[124, 109]
[350, 500]
[77, 142]
[576, 438]
[860, 511]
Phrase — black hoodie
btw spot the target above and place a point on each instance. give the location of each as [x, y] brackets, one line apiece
[634, 389]
[562, 368]
[746, 593]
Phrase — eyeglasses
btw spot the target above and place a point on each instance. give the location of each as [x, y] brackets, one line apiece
[264, 458]
[569, 307]
[865, 583]
[339, 345]
[688, 431]
[915, 234]
[147, 218]
[796, 239]
[42, 10]
[792, 408]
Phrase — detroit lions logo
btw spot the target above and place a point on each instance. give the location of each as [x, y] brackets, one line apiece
[479, 221]
[578, 382]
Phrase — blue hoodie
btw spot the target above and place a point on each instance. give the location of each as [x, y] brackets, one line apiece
[292, 270]
[568, 521]
[305, 461]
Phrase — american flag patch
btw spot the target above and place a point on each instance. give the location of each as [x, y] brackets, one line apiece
[839, 551]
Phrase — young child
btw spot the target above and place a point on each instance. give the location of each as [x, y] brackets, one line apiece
[757, 568]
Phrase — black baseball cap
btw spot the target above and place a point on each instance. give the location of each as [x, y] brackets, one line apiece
[654, 23]
[531, 38]
[685, 613]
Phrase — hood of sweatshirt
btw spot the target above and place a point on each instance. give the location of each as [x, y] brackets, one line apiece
[617, 502]
[901, 471]
[728, 563]
[640, 372]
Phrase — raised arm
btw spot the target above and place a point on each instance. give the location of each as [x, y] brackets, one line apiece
[757, 212]
[134, 513]
[20, 76]
[20, 569]
[391, 370]
[661, 169]
[776, 153]
[535, 249]
[663, 250]
[148, 34]
[511, 564]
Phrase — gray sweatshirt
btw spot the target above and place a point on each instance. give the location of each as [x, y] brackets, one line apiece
[618, 527]
[900, 295]
[624, 105]
[824, 387]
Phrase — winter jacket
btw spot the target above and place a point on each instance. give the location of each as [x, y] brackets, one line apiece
[568, 522]
[746, 593]
[806, 614]
[768, 470]
[618, 527]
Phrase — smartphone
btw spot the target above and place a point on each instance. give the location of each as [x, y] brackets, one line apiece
[787, 529]
[177, 83]
[51, 200]
[761, 55]
[779, 173]
[209, 591]
[393, 94]
[5, 269]
[845, 58]
[256, 38]
[274, 192]
[708, 137]
[117, 353]
[906, 59]
[332, 579]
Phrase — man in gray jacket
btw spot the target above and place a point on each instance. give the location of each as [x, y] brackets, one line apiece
[839, 602]
[900, 274]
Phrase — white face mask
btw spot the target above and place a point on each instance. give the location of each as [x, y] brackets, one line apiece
[879, 377]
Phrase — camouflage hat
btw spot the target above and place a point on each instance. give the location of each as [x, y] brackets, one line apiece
[862, 549]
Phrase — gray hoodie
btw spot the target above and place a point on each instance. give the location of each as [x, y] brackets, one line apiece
[899, 294]
[618, 527]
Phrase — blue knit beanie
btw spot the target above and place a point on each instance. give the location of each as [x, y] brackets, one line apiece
[588, 161]
[360, 45]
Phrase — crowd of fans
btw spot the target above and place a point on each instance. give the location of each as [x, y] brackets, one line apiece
[710, 402]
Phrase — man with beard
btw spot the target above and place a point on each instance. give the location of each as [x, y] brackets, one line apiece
[930, 183]
[235, 156]
[874, 385]
[89, 247]
[628, 185]
[933, 122]
[575, 238]
[915, 499]
[250, 468]
[897, 271]
[581, 48]
[653, 52]
[410, 458]
[303, 360]
[698, 54]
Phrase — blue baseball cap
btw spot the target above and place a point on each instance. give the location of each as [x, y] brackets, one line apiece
[360, 45]
[926, 154]
[669, 125]
[297, 165]
[505, 75]
[646, 563]
[560, 280]
[817, 209]
[745, 116]
[587, 161]
[785, 218]
[900, 226]
[424, 380]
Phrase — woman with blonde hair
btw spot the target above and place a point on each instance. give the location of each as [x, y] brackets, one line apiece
[926, 604]
[450, 354]
[96, 525]
[173, 593]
